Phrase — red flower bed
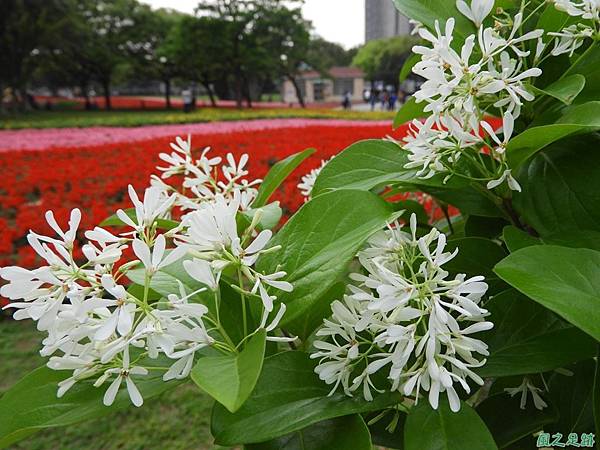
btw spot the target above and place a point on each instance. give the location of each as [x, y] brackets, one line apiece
[95, 177]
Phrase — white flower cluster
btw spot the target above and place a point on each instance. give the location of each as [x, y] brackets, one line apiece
[405, 325]
[572, 37]
[100, 329]
[586, 9]
[489, 71]
[201, 181]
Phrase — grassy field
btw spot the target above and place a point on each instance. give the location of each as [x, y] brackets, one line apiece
[122, 118]
[179, 420]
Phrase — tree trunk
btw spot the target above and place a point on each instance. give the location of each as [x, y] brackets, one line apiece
[247, 93]
[106, 88]
[298, 91]
[168, 92]
[238, 89]
[210, 92]
[86, 96]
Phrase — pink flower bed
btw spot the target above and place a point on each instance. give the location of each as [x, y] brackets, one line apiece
[43, 139]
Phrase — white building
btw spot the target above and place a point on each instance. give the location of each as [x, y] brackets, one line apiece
[317, 88]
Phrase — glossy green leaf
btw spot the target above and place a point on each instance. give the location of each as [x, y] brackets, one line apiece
[230, 379]
[319, 241]
[341, 433]
[382, 436]
[485, 227]
[428, 11]
[32, 405]
[528, 338]
[508, 423]
[574, 239]
[565, 89]
[364, 165]
[476, 256]
[578, 119]
[278, 173]
[459, 193]
[374, 163]
[163, 224]
[516, 239]
[573, 397]
[564, 280]
[305, 324]
[409, 111]
[561, 186]
[288, 397]
[442, 429]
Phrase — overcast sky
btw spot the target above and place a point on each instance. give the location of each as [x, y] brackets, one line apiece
[341, 21]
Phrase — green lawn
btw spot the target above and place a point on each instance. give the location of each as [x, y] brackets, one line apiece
[178, 420]
[61, 119]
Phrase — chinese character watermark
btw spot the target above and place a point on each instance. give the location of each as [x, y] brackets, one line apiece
[557, 440]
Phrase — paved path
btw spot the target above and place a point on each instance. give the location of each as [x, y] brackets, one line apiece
[43, 139]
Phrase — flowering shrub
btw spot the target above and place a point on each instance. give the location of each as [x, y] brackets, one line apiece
[359, 321]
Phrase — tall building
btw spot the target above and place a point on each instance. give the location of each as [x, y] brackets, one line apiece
[383, 20]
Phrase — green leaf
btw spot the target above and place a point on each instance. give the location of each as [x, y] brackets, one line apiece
[409, 111]
[374, 163]
[442, 429]
[578, 119]
[589, 67]
[459, 193]
[410, 207]
[476, 256]
[486, 227]
[508, 423]
[428, 11]
[516, 239]
[364, 165]
[527, 338]
[574, 239]
[319, 241]
[573, 396]
[278, 173]
[561, 186]
[288, 397]
[552, 19]
[341, 433]
[230, 379]
[32, 405]
[163, 224]
[305, 324]
[408, 66]
[564, 280]
[565, 89]
[383, 437]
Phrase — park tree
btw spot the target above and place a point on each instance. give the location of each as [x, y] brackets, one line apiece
[284, 38]
[323, 55]
[244, 55]
[197, 54]
[153, 52]
[110, 30]
[26, 28]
